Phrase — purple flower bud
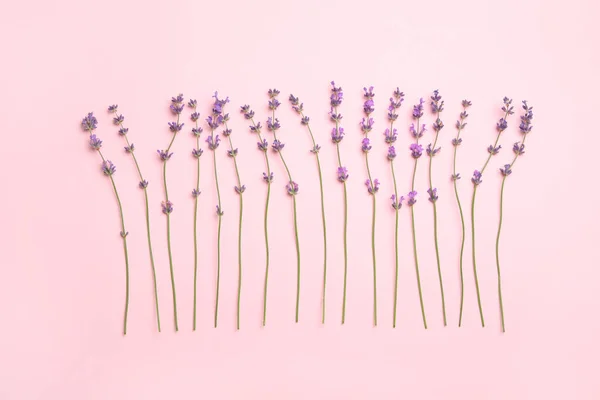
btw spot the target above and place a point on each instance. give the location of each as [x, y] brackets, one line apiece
[501, 125]
[391, 137]
[130, 148]
[143, 184]
[525, 126]
[197, 131]
[432, 152]
[268, 178]
[506, 171]
[95, 142]
[372, 186]
[118, 120]
[337, 134]
[195, 116]
[195, 193]
[416, 150]
[342, 174]
[366, 125]
[437, 104]
[456, 142]
[232, 153]
[177, 100]
[412, 198]
[255, 128]
[112, 108]
[240, 189]
[417, 133]
[455, 177]
[476, 179]
[192, 104]
[305, 120]
[418, 109]
[294, 100]
[366, 145]
[273, 124]
[214, 121]
[89, 123]
[292, 188]
[197, 153]
[438, 125]
[226, 132]
[507, 108]
[337, 95]
[277, 145]
[519, 149]
[164, 155]
[460, 125]
[176, 108]
[108, 168]
[315, 149]
[226, 117]
[494, 150]
[274, 104]
[264, 145]
[123, 131]
[218, 105]
[213, 142]
[175, 127]
[248, 113]
[396, 205]
[220, 211]
[432, 194]
[273, 93]
[391, 153]
[466, 103]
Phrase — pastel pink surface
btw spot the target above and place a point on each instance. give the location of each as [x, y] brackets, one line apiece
[62, 286]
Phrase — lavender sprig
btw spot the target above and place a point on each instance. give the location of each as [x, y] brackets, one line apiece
[262, 146]
[299, 108]
[437, 106]
[118, 120]
[176, 108]
[89, 124]
[518, 149]
[196, 153]
[501, 126]
[239, 189]
[366, 126]
[460, 125]
[416, 149]
[391, 135]
[337, 135]
[273, 126]
[214, 121]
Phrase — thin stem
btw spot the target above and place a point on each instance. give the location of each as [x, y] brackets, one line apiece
[435, 226]
[462, 223]
[137, 166]
[266, 225]
[196, 228]
[412, 214]
[324, 223]
[395, 239]
[239, 181]
[295, 227]
[219, 213]
[124, 237]
[373, 239]
[169, 235]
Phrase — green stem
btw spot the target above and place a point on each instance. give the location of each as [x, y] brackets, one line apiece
[124, 237]
[373, 240]
[137, 166]
[239, 181]
[435, 227]
[474, 259]
[395, 238]
[462, 223]
[219, 213]
[324, 224]
[196, 230]
[266, 225]
[169, 235]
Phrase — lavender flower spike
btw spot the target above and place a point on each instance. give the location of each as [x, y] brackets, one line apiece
[89, 123]
[342, 174]
[412, 198]
[292, 188]
[95, 142]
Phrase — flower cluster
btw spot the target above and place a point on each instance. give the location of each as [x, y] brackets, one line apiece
[391, 153]
[395, 104]
[366, 145]
[292, 188]
[342, 174]
[432, 194]
[476, 179]
[337, 95]
[416, 132]
[369, 104]
[390, 136]
[397, 203]
[337, 134]
[412, 198]
[372, 186]
[416, 150]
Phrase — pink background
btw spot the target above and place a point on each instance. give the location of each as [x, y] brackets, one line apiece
[61, 290]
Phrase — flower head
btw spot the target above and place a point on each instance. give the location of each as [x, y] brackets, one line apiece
[218, 105]
[248, 113]
[277, 145]
[273, 93]
[476, 179]
[412, 198]
[255, 128]
[113, 108]
[89, 122]
[143, 184]
[268, 178]
[296, 105]
[232, 153]
[416, 132]
[213, 142]
[305, 120]
[390, 136]
[494, 150]
[395, 103]
[315, 149]
[438, 125]
[437, 104]
[240, 189]
[337, 95]
[506, 171]
[418, 109]
[366, 125]
[118, 120]
[214, 121]
[197, 131]
[192, 104]
[466, 103]
[197, 153]
[372, 186]
[164, 155]
[167, 207]
[130, 148]
[176, 108]
[432, 194]
[366, 145]
[95, 142]
[123, 131]
[391, 153]
[177, 99]
[337, 134]
[342, 174]
[507, 107]
[525, 126]
[335, 117]
[264, 145]
[431, 152]
[226, 132]
[195, 193]
[501, 125]
[456, 142]
[292, 188]
[273, 125]
[175, 127]
[416, 150]
[195, 116]
[397, 203]
[274, 104]
[108, 168]
[519, 148]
